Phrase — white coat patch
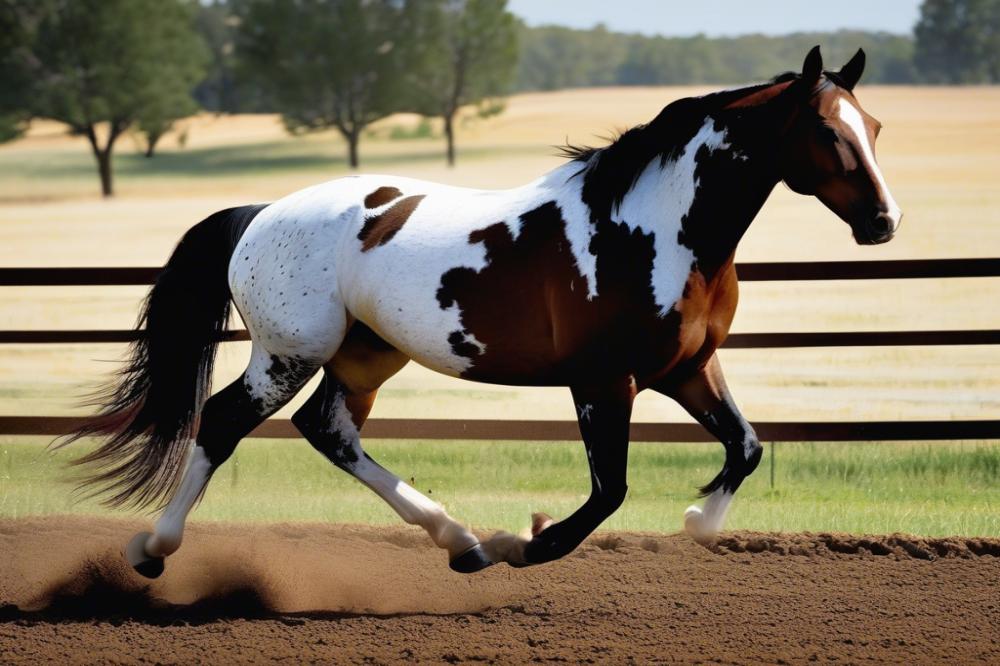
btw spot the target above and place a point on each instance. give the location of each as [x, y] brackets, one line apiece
[657, 204]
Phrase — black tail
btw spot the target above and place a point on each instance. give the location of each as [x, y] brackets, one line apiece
[148, 412]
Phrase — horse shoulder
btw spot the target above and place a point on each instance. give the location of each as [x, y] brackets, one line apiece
[706, 312]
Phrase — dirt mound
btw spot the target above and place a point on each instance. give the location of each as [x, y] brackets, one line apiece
[832, 545]
[347, 594]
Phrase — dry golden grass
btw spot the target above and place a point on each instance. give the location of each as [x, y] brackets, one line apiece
[940, 151]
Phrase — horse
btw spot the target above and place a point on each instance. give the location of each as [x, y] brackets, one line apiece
[610, 275]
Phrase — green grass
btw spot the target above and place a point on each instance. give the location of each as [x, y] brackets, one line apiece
[931, 489]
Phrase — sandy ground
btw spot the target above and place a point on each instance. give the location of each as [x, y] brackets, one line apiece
[340, 594]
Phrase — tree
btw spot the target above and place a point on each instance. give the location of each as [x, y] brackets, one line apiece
[325, 63]
[467, 55]
[958, 41]
[18, 23]
[163, 104]
[100, 65]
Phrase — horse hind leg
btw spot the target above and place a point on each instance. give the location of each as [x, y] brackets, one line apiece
[331, 420]
[268, 383]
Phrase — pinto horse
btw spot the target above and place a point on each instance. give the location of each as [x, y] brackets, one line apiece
[611, 274]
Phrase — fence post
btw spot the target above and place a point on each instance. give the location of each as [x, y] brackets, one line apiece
[774, 450]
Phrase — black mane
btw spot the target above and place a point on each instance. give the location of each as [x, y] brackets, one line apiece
[609, 172]
[583, 153]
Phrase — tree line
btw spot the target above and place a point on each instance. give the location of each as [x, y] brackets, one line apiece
[103, 67]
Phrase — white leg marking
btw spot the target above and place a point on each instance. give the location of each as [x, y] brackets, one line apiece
[705, 524]
[415, 508]
[169, 529]
[411, 505]
[852, 118]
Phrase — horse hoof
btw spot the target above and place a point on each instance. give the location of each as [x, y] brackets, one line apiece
[144, 564]
[694, 525]
[471, 561]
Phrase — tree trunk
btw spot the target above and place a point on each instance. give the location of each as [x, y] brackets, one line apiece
[103, 155]
[449, 135]
[104, 167]
[151, 141]
[352, 148]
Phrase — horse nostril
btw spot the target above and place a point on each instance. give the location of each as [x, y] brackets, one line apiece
[881, 225]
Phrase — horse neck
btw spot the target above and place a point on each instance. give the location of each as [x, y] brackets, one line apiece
[734, 172]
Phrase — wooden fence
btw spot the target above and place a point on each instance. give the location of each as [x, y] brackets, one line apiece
[567, 430]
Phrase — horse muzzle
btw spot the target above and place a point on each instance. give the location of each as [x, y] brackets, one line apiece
[876, 230]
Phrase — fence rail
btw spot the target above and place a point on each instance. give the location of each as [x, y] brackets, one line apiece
[560, 431]
[567, 430]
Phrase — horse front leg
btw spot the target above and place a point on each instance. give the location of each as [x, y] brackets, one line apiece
[603, 414]
[706, 397]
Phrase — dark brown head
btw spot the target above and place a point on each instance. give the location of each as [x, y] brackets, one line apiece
[829, 150]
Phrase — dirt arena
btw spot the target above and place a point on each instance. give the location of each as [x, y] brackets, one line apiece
[341, 594]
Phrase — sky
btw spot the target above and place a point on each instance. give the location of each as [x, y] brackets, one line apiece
[721, 17]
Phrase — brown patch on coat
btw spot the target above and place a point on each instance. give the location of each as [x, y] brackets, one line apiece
[529, 309]
[706, 312]
[382, 196]
[379, 229]
[364, 362]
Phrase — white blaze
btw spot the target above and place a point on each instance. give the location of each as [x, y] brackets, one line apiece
[852, 118]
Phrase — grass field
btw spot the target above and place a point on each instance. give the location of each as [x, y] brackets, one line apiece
[929, 489]
[940, 151]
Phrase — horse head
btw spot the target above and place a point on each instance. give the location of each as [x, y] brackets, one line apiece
[828, 150]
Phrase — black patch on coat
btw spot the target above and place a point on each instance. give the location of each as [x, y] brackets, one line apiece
[288, 372]
[314, 420]
[461, 346]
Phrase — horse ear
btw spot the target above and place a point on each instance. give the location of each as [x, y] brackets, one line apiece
[852, 71]
[812, 68]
